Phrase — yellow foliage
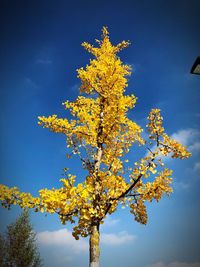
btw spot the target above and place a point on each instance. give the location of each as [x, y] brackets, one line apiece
[101, 135]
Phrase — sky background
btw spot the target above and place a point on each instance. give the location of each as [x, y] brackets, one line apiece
[40, 50]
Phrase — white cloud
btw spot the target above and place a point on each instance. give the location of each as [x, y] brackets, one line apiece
[194, 147]
[110, 222]
[62, 237]
[117, 238]
[197, 166]
[175, 264]
[181, 185]
[60, 259]
[185, 136]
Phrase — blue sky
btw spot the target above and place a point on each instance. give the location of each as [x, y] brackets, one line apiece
[40, 50]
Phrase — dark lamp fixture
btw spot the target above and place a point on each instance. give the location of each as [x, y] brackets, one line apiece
[196, 67]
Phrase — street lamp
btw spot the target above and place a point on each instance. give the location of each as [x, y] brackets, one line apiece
[196, 67]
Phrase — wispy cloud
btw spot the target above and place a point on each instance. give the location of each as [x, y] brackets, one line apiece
[190, 138]
[43, 61]
[59, 258]
[187, 137]
[182, 185]
[195, 147]
[116, 239]
[135, 67]
[175, 264]
[28, 83]
[110, 222]
[62, 237]
[27, 88]
[197, 166]
[75, 88]
[45, 56]
[197, 115]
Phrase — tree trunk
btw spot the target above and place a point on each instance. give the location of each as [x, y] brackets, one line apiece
[94, 247]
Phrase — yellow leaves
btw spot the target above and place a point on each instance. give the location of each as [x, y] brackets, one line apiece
[178, 150]
[101, 136]
[86, 215]
[134, 133]
[155, 189]
[87, 111]
[72, 191]
[89, 47]
[106, 72]
[12, 196]
[141, 168]
[113, 184]
[152, 168]
[138, 209]
[55, 124]
[82, 191]
[165, 144]
[106, 76]
[105, 32]
[42, 210]
[121, 46]
[155, 123]
[84, 194]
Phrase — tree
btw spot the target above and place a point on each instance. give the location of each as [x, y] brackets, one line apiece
[18, 248]
[101, 134]
[2, 251]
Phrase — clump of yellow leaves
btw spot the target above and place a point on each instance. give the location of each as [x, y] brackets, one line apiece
[101, 135]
